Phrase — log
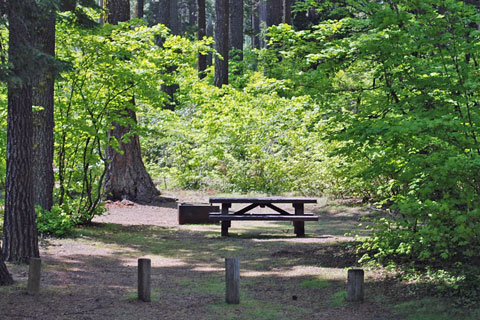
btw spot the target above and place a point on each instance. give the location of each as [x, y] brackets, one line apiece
[34, 275]
[355, 285]
[144, 287]
[232, 279]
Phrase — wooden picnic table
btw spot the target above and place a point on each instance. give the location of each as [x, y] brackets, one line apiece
[298, 217]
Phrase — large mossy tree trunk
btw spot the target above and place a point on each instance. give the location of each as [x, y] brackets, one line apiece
[126, 176]
[43, 120]
[20, 237]
[221, 42]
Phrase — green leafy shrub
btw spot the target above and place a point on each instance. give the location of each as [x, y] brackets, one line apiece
[56, 221]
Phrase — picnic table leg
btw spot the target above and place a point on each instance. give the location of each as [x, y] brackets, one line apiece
[299, 226]
[225, 224]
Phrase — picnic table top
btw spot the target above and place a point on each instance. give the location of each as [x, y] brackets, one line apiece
[262, 200]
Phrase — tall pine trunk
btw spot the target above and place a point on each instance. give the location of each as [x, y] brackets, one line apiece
[201, 33]
[236, 28]
[139, 9]
[255, 23]
[43, 120]
[168, 15]
[274, 12]
[20, 238]
[126, 176]
[221, 41]
[210, 35]
[262, 15]
[287, 11]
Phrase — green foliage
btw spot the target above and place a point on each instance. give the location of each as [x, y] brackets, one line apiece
[433, 309]
[242, 139]
[55, 221]
[61, 219]
[398, 85]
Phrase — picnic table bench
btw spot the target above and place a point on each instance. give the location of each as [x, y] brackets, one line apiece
[298, 217]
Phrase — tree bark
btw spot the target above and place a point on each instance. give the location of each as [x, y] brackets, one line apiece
[20, 238]
[101, 19]
[255, 22]
[192, 12]
[139, 12]
[174, 25]
[210, 35]
[5, 277]
[43, 122]
[287, 11]
[117, 11]
[274, 12]
[201, 33]
[236, 28]
[167, 14]
[221, 40]
[126, 176]
[262, 15]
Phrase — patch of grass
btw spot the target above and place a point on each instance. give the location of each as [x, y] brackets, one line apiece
[339, 299]
[133, 296]
[434, 309]
[248, 309]
[207, 286]
[315, 283]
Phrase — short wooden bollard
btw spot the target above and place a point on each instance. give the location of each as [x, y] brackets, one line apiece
[144, 271]
[34, 272]
[232, 280]
[355, 285]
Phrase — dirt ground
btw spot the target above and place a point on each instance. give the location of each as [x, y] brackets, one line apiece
[92, 274]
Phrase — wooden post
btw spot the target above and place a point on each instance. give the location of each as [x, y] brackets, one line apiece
[232, 280]
[33, 286]
[144, 270]
[355, 285]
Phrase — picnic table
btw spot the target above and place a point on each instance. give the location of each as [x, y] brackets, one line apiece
[298, 217]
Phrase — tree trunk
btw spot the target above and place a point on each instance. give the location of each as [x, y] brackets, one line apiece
[287, 11]
[5, 277]
[262, 15]
[117, 11]
[162, 13]
[201, 33]
[167, 14]
[174, 25]
[210, 35]
[126, 176]
[255, 25]
[139, 9]
[100, 4]
[43, 122]
[192, 12]
[236, 28]
[221, 40]
[274, 12]
[20, 239]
